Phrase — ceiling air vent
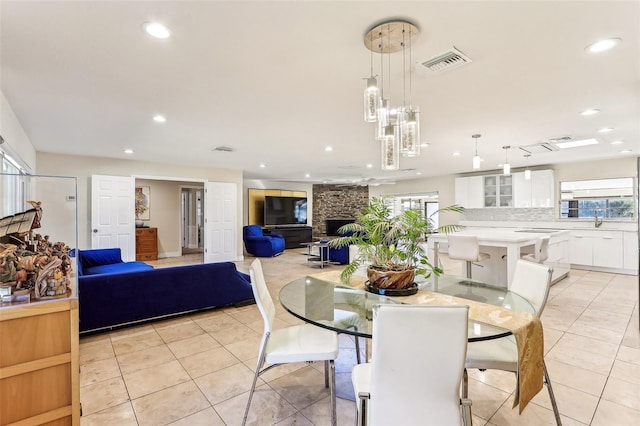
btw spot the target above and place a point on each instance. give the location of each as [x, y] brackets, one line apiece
[450, 59]
[539, 148]
[223, 149]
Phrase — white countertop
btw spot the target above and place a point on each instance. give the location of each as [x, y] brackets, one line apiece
[506, 235]
[555, 225]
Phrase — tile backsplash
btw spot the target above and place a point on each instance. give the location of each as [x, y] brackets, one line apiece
[514, 214]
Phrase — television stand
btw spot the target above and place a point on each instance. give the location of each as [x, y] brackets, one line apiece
[294, 236]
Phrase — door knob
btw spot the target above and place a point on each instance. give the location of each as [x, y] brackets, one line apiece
[95, 231]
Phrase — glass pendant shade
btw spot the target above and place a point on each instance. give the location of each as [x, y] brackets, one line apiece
[506, 169]
[476, 162]
[383, 117]
[390, 148]
[527, 174]
[371, 100]
[410, 132]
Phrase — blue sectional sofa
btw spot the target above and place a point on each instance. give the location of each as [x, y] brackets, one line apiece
[261, 245]
[113, 293]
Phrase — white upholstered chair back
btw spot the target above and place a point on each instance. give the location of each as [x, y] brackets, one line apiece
[262, 296]
[418, 358]
[532, 281]
[463, 247]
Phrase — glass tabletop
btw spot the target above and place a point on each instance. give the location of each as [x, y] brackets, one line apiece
[347, 310]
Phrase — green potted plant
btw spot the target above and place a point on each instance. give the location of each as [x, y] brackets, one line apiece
[392, 247]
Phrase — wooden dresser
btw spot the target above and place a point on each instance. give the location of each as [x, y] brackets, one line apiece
[146, 244]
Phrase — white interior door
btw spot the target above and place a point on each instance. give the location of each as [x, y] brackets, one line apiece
[220, 224]
[113, 214]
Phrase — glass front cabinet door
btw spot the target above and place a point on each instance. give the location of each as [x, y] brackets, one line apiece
[498, 191]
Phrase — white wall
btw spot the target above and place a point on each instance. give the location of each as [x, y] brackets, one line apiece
[16, 143]
[84, 167]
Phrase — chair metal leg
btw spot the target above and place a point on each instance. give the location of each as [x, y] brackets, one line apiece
[253, 387]
[554, 405]
[334, 413]
[326, 374]
[357, 349]
[465, 384]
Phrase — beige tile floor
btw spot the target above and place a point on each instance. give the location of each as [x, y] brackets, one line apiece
[197, 369]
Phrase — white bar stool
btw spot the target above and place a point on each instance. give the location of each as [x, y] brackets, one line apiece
[541, 251]
[465, 247]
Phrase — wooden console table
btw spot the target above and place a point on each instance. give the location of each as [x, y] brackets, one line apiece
[39, 363]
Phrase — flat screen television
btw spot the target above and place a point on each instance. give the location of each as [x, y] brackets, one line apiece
[285, 210]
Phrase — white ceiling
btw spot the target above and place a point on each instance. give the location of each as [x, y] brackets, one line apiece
[278, 81]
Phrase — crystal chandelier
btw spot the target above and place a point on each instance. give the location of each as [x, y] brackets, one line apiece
[398, 128]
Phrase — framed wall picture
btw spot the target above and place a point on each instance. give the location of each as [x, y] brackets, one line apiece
[143, 203]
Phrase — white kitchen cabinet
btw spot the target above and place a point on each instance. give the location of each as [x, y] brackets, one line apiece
[542, 188]
[535, 192]
[630, 248]
[498, 191]
[596, 248]
[468, 192]
[580, 249]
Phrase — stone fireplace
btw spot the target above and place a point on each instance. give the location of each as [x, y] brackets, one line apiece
[335, 205]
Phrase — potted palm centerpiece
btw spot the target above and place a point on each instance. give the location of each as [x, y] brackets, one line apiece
[393, 247]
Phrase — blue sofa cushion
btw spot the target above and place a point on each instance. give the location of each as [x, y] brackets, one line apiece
[97, 257]
[117, 268]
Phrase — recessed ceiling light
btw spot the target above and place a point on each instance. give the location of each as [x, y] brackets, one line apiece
[307, 175]
[369, 166]
[157, 30]
[606, 129]
[159, 118]
[574, 144]
[456, 153]
[328, 148]
[602, 45]
[591, 111]
[418, 173]
[128, 151]
[262, 165]
[625, 151]
[617, 142]
[424, 145]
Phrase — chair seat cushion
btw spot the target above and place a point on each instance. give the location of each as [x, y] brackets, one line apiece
[361, 378]
[496, 354]
[301, 343]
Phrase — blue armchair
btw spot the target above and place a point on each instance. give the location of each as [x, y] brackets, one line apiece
[340, 255]
[261, 245]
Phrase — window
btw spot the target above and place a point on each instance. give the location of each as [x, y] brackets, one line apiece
[604, 198]
[12, 186]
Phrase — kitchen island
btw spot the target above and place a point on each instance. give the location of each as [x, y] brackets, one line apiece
[505, 246]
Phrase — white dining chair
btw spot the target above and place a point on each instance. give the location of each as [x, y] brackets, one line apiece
[298, 343]
[466, 248]
[531, 281]
[540, 251]
[416, 369]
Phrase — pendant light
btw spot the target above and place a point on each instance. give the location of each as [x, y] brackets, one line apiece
[410, 116]
[476, 158]
[527, 172]
[506, 168]
[397, 127]
[390, 153]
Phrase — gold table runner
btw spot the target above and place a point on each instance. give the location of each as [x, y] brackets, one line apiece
[526, 327]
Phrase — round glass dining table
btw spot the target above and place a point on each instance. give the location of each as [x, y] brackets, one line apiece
[348, 310]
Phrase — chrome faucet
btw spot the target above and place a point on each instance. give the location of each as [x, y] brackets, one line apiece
[598, 222]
